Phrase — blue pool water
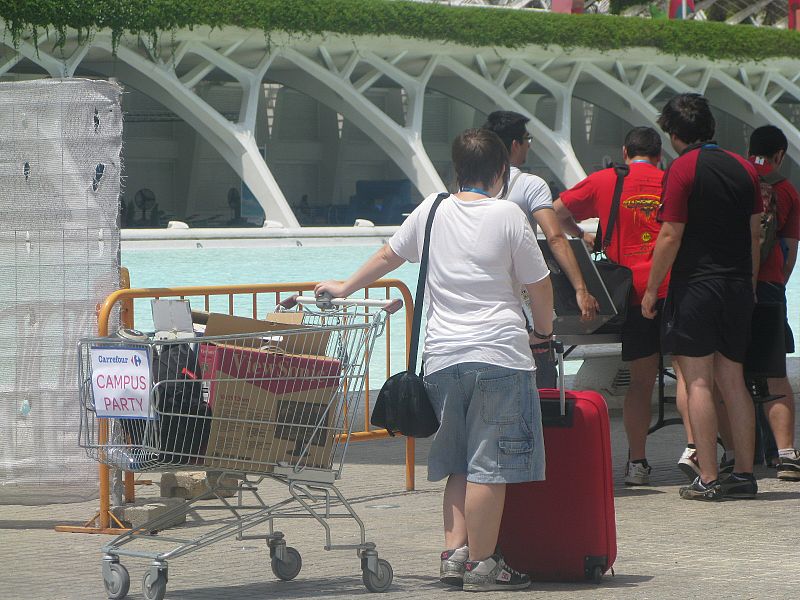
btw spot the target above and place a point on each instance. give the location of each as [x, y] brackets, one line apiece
[226, 266]
[223, 266]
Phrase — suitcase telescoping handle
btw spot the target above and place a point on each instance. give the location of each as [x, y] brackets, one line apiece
[558, 347]
[560, 414]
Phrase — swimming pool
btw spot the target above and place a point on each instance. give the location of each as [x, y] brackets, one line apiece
[225, 266]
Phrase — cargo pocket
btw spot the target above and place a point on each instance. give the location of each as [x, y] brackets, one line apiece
[500, 399]
[514, 454]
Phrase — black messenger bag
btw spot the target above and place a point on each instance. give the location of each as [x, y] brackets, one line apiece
[403, 405]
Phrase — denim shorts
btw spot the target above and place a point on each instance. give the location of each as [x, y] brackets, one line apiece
[490, 424]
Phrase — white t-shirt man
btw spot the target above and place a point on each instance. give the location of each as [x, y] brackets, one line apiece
[529, 192]
[481, 252]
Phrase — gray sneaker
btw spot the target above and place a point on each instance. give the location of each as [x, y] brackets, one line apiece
[688, 463]
[710, 492]
[726, 465]
[451, 570]
[739, 485]
[493, 574]
[637, 473]
[789, 468]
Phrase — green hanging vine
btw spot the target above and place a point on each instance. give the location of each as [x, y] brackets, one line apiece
[434, 22]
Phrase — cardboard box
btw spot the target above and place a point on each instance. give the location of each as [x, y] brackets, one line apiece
[269, 406]
[314, 342]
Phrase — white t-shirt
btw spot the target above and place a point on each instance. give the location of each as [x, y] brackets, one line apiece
[530, 193]
[481, 251]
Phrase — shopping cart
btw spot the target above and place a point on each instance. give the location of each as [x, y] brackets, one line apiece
[256, 408]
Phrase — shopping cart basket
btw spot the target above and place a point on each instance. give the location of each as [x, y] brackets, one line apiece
[256, 408]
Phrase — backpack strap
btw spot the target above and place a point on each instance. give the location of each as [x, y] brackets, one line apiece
[622, 172]
[423, 274]
[772, 178]
[511, 185]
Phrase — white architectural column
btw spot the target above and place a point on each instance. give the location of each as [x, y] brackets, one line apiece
[235, 142]
[341, 71]
[332, 86]
[554, 146]
[755, 109]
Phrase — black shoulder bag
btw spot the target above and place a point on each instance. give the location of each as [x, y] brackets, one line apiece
[402, 405]
[617, 278]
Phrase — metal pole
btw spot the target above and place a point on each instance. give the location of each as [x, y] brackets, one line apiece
[685, 9]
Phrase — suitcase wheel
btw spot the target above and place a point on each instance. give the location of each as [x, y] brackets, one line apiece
[597, 574]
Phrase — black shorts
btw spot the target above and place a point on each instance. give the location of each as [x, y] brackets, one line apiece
[640, 336]
[703, 317]
[776, 292]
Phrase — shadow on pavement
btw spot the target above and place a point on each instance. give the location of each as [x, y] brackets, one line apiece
[33, 524]
[625, 492]
[343, 587]
[609, 581]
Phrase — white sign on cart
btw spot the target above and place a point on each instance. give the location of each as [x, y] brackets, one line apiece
[121, 382]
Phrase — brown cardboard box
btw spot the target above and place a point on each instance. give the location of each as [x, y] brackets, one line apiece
[269, 406]
[314, 342]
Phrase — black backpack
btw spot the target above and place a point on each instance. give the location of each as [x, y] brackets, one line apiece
[184, 418]
[177, 365]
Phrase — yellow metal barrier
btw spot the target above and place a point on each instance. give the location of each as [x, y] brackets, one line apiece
[102, 521]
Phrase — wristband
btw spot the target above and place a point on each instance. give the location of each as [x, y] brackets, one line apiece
[542, 336]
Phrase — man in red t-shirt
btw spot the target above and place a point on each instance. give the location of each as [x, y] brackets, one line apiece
[633, 238]
[709, 245]
[768, 147]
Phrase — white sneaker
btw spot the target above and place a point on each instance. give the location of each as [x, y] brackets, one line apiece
[451, 570]
[493, 574]
[637, 473]
[688, 464]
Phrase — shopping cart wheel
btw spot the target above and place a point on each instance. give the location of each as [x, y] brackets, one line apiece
[288, 568]
[154, 587]
[380, 581]
[116, 580]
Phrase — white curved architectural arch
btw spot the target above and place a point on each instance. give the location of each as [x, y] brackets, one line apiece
[555, 144]
[345, 72]
[402, 144]
[235, 142]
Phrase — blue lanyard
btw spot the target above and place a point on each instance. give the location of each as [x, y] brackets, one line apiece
[643, 160]
[710, 145]
[475, 190]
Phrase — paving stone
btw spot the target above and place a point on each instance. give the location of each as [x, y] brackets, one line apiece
[667, 547]
[183, 484]
[142, 510]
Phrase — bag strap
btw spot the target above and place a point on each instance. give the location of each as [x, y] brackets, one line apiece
[420, 297]
[622, 171]
[772, 178]
[511, 185]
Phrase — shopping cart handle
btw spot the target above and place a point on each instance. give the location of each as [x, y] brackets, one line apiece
[326, 302]
[393, 306]
[288, 303]
[323, 301]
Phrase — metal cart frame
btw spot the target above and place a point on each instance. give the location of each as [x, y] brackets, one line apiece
[307, 445]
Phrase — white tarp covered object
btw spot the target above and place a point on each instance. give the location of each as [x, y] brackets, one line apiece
[60, 143]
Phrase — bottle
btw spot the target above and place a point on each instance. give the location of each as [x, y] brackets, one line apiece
[127, 459]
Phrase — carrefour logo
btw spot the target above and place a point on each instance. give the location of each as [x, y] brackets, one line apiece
[116, 360]
[136, 360]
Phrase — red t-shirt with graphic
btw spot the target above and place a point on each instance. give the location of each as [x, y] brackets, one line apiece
[788, 210]
[636, 229]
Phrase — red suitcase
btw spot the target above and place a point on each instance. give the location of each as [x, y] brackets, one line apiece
[564, 528]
